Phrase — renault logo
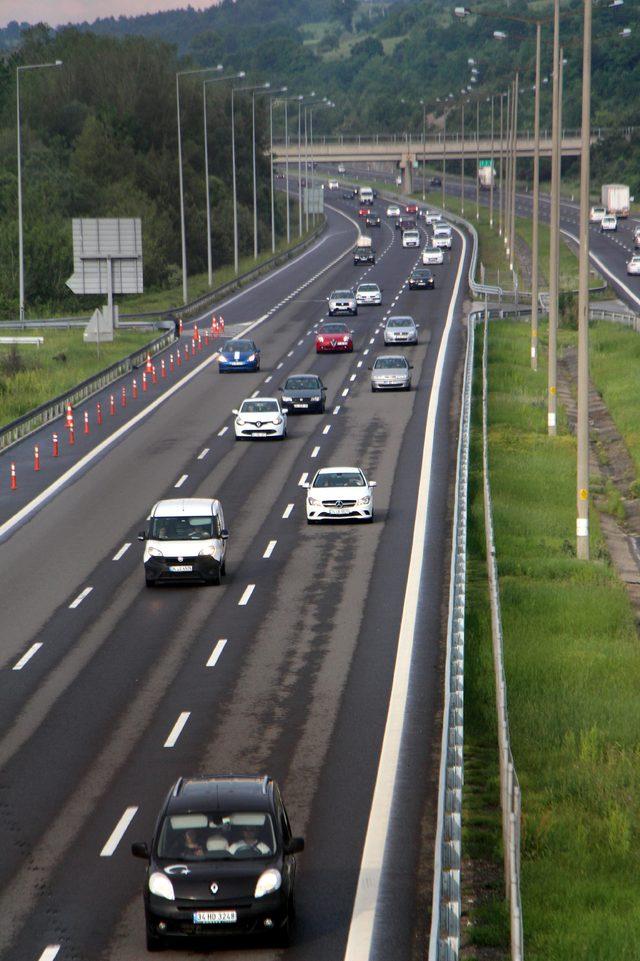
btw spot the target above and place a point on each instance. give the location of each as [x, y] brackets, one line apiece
[214, 887]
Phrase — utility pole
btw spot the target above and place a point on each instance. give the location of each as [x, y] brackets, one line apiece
[554, 231]
[514, 170]
[492, 167]
[462, 164]
[478, 159]
[501, 203]
[536, 202]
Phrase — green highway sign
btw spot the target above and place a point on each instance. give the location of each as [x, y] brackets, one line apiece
[484, 163]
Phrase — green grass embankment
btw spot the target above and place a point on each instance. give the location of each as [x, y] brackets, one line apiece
[572, 663]
[30, 376]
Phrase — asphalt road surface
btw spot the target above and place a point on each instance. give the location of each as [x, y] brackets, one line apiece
[286, 669]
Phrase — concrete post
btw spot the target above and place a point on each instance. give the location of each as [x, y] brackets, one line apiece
[407, 173]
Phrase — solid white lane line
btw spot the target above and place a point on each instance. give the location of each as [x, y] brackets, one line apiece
[315, 451]
[81, 596]
[223, 431]
[123, 550]
[214, 657]
[352, 378]
[177, 728]
[118, 832]
[203, 453]
[181, 480]
[269, 549]
[267, 379]
[303, 479]
[336, 409]
[27, 657]
[345, 392]
[287, 511]
[50, 952]
[325, 430]
[248, 591]
[366, 899]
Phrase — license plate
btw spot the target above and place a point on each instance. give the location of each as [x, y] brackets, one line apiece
[300, 405]
[181, 568]
[260, 433]
[215, 917]
[340, 510]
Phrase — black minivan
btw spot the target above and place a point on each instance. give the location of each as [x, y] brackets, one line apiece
[221, 862]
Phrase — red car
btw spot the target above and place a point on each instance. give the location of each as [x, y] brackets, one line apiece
[332, 338]
[411, 209]
[363, 212]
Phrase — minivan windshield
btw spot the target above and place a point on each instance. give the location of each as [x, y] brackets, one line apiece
[216, 835]
[183, 528]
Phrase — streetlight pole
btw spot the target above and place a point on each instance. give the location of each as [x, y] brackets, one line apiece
[507, 171]
[536, 201]
[29, 66]
[273, 202]
[501, 203]
[582, 474]
[255, 90]
[462, 162]
[444, 160]
[478, 159]
[513, 172]
[183, 233]
[299, 174]
[491, 179]
[424, 126]
[554, 230]
[205, 83]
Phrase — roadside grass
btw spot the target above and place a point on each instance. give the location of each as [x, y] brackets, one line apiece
[572, 660]
[30, 376]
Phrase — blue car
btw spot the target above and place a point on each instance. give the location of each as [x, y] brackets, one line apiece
[239, 355]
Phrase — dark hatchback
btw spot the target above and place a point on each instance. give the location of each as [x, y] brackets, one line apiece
[221, 862]
[421, 279]
[303, 393]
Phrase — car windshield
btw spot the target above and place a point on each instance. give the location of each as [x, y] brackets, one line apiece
[400, 322]
[386, 363]
[333, 329]
[431, 250]
[259, 407]
[421, 273]
[341, 294]
[339, 479]
[215, 836]
[302, 383]
[369, 289]
[242, 345]
[183, 528]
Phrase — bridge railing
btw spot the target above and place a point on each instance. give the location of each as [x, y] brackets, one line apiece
[414, 140]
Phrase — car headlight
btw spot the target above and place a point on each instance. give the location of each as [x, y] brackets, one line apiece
[224, 357]
[251, 358]
[363, 501]
[315, 399]
[154, 552]
[268, 882]
[161, 886]
[207, 551]
[277, 420]
[313, 501]
[288, 400]
[240, 422]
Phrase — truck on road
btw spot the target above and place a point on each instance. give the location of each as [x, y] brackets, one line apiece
[487, 177]
[615, 197]
[364, 252]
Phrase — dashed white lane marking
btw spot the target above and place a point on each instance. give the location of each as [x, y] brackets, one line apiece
[248, 591]
[27, 657]
[336, 409]
[352, 378]
[345, 392]
[177, 729]
[303, 479]
[118, 832]
[269, 549]
[255, 393]
[214, 657]
[81, 596]
[290, 353]
[267, 379]
[359, 364]
[222, 431]
[287, 511]
[372, 340]
[325, 430]
[203, 453]
[281, 364]
[181, 480]
[300, 342]
[123, 550]
[50, 952]
[315, 451]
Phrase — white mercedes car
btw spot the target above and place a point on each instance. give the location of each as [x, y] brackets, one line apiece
[633, 266]
[260, 417]
[432, 255]
[339, 493]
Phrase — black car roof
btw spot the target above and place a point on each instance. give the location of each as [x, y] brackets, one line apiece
[222, 793]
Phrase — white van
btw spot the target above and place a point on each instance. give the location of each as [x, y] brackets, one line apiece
[366, 195]
[185, 539]
[410, 238]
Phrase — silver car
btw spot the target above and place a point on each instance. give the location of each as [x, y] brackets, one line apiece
[432, 255]
[368, 294]
[633, 266]
[400, 330]
[391, 372]
[342, 302]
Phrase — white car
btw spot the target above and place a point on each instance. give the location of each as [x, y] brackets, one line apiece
[442, 237]
[432, 255]
[410, 238]
[368, 294]
[633, 266]
[431, 217]
[596, 214]
[185, 539]
[393, 210]
[609, 222]
[260, 417]
[333, 185]
[342, 169]
[339, 493]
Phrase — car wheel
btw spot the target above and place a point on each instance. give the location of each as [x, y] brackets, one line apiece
[154, 943]
[322, 407]
[223, 566]
[369, 520]
[216, 579]
[284, 936]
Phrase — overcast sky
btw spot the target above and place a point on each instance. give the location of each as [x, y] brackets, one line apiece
[56, 12]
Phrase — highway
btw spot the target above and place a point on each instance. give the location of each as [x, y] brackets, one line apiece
[290, 668]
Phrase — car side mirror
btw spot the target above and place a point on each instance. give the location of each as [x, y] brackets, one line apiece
[373, 483]
[306, 485]
[142, 536]
[140, 849]
[410, 366]
[224, 534]
[236, 412]
[294, 846]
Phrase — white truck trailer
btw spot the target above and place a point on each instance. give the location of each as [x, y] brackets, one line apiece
[615, 197]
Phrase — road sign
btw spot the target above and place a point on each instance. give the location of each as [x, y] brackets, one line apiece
[484, 163]
[107, 256]
[313, 200]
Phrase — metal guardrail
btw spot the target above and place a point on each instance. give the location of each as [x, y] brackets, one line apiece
[51, 410]
[510, 797]
[444, 943]
[625, 317]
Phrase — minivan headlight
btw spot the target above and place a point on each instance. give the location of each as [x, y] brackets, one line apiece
[154, 552]
[161, 886]
[268, 882]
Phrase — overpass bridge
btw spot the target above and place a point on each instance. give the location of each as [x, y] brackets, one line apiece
[407, 151]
